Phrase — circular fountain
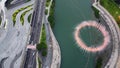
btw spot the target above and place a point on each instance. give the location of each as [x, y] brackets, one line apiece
[94, 47]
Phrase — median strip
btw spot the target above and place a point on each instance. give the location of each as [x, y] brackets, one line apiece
[42, 46]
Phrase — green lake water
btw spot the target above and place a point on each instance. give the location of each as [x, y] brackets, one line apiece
[68, 14]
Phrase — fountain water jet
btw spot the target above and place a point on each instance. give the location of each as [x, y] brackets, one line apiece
[100, 27]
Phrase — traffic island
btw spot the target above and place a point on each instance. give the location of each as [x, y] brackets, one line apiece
[16, 12]
[29, 17]
[23, 14]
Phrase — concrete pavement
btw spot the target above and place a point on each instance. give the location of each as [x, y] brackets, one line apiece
[53, 58]
[11, 42]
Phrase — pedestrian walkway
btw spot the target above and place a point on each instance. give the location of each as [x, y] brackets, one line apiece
[115, 34]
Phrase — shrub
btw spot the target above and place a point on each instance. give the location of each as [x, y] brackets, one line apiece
[41, 46]
[29, 18]
[44, 53]
[96, 12]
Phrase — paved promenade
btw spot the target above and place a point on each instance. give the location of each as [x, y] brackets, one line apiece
[56, 61]
[115, 34]
[54, 53]
[53, 59]
[14, 39]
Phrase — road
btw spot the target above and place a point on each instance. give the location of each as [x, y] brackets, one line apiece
[36, 26]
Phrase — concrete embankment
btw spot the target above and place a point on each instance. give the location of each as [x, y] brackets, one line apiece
[53, 46]
[53, 59]
[56, 61]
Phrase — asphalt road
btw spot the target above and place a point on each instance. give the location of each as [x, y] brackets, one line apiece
[36, 26]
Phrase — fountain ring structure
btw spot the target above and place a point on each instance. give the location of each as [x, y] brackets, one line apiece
[100, 27]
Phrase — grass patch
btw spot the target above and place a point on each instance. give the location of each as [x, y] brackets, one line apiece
[42, 46]
[17, 11]
[29, 17]
[39, 62]
[43, 37]
[112, 8]
[51, 17]
[23, 14]
[44, 52]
